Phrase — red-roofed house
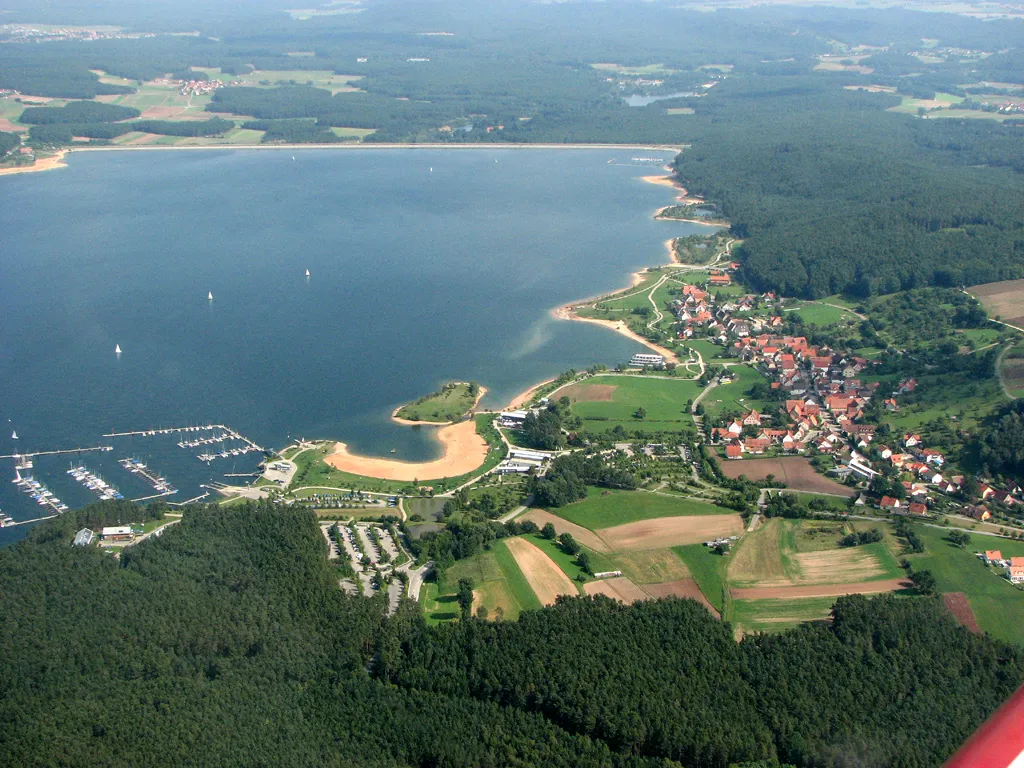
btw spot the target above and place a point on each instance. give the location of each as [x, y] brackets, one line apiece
[993, 556]
[733, 452]
[917, 508]
[888, 502]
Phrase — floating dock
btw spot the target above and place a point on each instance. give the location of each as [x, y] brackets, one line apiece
[23, 457]
[40, 494]
[226, 433]
[159, 483]
[95, 483]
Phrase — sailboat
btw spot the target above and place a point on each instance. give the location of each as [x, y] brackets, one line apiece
[307, 273]
[14, 435]
[209, 296]
[117, 349]
[293, 157]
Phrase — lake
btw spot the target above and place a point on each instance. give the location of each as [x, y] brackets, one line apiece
[426, 265]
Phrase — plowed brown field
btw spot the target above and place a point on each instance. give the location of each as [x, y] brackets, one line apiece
[621, 589]
[682, 588]
[545, 578]
[830, 590]
[795, 471]
[671, 531]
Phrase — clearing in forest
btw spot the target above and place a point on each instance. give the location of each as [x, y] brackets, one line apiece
[584, 536]
[546, 579]
[671, 531]
[621, 589]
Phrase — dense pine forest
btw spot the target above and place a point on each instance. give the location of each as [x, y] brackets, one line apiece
[227, 641]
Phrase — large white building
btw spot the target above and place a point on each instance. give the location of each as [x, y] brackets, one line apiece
[641, 360]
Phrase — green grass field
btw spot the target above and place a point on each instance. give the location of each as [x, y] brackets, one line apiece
[605, 508]
[998, 605]
[735, 396]
[663, 398]
[776, 615]
[712, 353]
[708, 570]
[813, 313]
[446, 405]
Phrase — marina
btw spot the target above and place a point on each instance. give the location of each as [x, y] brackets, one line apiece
[22, 457]
[160, 484]
[40, 494]
[104, 490]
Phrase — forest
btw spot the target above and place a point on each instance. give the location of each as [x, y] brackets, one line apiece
[233, 619]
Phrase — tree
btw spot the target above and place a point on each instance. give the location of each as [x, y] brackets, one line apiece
[465, 597]
[640, 413]
[568, 544]
[548, 531]
[924, 582]
[959, 538]
[482, 613]
[583, 560]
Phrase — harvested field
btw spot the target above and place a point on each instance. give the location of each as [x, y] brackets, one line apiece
[652, 566]
[956, 603]
[830, 590]
[1004, 299]
[589, 392]
[682, 588]
[795, 471]
[545, 578]
[9, 127]
[493, 595]
[758, 558]
[852, 564]
[621, 589]
[584, 536]
[671, 531]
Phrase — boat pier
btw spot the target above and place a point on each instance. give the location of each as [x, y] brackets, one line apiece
[11, 523]
[200, 497]
[225, 433]
[40, 494]
[23, 457]
[95, 483]
[160, 484]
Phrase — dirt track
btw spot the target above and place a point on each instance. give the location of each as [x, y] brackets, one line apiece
[545, 578]
[830, 590]
[584, 536]
[671, 531]
[621, 589]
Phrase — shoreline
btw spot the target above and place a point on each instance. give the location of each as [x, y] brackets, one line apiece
[619, 326]
[415, 423]
[41, 164]
[463, 451]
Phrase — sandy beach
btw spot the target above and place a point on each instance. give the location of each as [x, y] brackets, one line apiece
[464, 450]
[41, 164]
[619, 326]
[524, 397]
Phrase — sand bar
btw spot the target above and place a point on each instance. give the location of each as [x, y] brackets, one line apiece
[463, 451]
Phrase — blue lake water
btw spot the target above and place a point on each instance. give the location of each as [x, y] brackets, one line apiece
[426, 266]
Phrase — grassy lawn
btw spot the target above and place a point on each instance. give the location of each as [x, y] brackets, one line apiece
[664, 400]
[734, 396]
[776, 615]
[998, 605]
[605, 508]
[709, 571]
[446, 405]
[497, 582]
[818, 314]
[710, 352]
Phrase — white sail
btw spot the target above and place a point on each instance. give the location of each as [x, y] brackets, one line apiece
[209, 296]
[307, 273]
[117, 349]
[14, 435]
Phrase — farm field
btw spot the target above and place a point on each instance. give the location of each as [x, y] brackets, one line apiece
[686, 588]
[708, 570]
[778, 614]
[497, 583]
[546, 579]
[607, 508]
[998, 606]
[1003, 300]
[1012, 370]
[619, 588]
[584, 536]
[604, 402]
[795, 471]
[735, 396]
[671, 531]
[654, 566]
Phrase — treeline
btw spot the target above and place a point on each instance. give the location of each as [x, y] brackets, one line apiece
[193, 642]
[1000, 447]
[665, 679]
[8, 142]
[64, 133]
[78, 112]
[295, 131]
